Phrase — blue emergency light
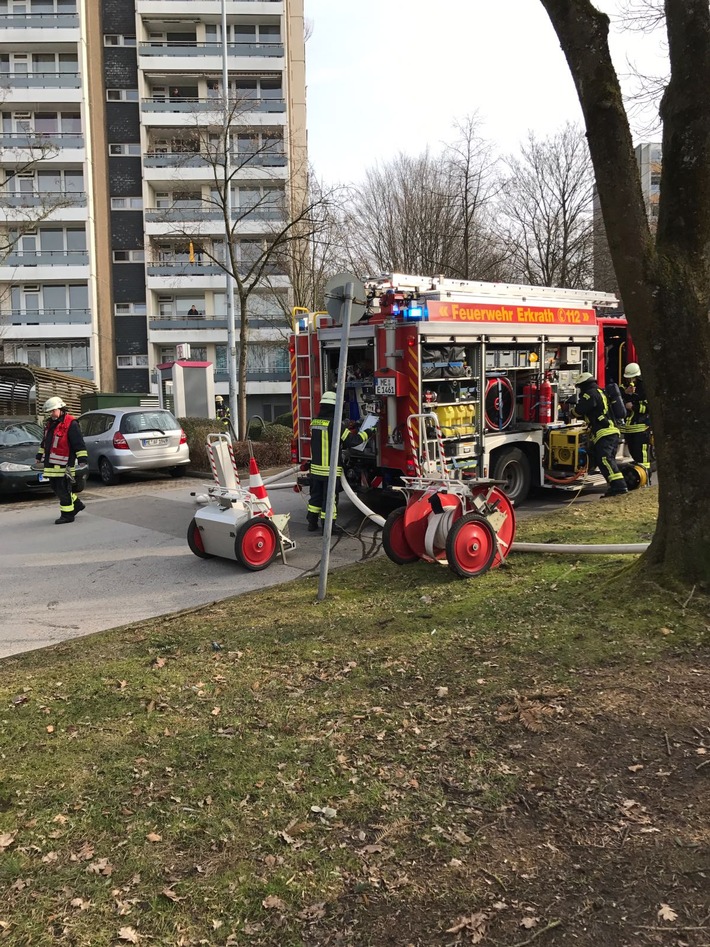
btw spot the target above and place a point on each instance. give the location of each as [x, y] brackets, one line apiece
[415, 314]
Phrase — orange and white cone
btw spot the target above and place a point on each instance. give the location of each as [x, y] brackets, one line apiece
[257, 488]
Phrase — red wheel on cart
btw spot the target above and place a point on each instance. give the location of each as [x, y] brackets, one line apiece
[194, 541]
[257, 543]
[394, 542]
[506, 533]
[471, 546]
[416, 520]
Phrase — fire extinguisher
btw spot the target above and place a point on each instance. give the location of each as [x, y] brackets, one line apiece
[530, 405]
[545, 401]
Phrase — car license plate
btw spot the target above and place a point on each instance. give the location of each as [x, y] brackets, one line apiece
[384, 386]
[154, 441]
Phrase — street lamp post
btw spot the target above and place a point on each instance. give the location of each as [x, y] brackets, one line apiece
[231, 331]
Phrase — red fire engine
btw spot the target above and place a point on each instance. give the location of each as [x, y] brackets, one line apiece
[469, 379]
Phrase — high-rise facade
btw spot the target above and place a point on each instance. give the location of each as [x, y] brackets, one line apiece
[116, 116]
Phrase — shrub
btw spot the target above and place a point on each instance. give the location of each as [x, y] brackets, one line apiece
[273, 450]
[285, 420]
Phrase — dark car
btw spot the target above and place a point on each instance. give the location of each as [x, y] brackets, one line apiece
[20, 439]
[122, 440]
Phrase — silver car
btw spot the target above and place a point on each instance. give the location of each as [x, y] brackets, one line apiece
[120, 440]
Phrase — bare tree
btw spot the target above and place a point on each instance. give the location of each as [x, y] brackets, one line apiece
[474, 180]
[279, 219]
[547, 203]
[664, 278]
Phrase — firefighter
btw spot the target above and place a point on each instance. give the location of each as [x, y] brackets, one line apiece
[637, 427]
[593, 407]
[321, 433]
[62, 448]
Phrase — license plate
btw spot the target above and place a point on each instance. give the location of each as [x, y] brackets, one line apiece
[384, 386]
[154, 441]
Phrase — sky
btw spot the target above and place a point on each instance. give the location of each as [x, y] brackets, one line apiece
[385, 76]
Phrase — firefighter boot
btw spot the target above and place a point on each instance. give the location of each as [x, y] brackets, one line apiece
[312, 520]
[615, 492]
[78, 506]
[64, 518]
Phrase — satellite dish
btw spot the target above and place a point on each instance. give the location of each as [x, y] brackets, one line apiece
[335, 297]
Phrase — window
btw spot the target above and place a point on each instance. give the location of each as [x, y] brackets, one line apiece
[198, 353]
[121, 95]
[128, 256]
[126, 203]
[129, 309]
[132, 149]
[131, 361]
[117, 39]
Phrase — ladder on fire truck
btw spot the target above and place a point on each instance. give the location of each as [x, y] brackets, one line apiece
[305, 350]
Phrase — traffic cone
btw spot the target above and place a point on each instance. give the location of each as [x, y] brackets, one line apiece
[256, 486]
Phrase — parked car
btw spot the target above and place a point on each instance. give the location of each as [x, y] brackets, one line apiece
[119, 440]
[20, 439]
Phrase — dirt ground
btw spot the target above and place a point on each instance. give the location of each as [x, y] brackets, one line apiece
[606, 844]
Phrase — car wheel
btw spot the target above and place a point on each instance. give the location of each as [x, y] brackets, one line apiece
[108, 474]
[179, 471]
[513, 468]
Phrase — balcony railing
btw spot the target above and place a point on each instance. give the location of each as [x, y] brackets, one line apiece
[281, 376]
[46, 258]
[45, 317]
[40, 21]
[189, 49]
[47, 200]
[203, 320]
[40, 80]
[190, 104]
[170, 214]
[197, 269]
[48, 141]
[185, 159]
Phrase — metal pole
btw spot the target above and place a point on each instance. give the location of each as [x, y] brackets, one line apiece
[229, 288]
[345, 308]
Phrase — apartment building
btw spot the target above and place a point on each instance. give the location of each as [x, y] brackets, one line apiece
[117, 114]
[649, 158]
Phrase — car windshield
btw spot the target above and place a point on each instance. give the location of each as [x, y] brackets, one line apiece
[18, 433]
[139, 421]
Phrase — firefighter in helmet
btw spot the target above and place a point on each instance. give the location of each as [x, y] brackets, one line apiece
[322, 428]
[62, 449]
[637, 427]
[593, 407]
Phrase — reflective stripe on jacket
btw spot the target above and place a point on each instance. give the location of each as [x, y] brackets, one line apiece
[320, 445]
[62, 445]
[638, 419]
[593, 407]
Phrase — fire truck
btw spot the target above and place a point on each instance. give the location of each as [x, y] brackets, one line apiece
[469, 380]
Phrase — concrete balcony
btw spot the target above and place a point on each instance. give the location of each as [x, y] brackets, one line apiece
[24, 30]
[40, 87]
[22, 147]
[194, 160]
[193, 8]
[51, 205]
[45, 317]
[47, 332]
[193, 113]
[209, 221]
[38, 266]
[166, 276]
[204, 58]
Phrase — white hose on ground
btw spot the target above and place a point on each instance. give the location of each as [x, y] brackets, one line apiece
[604, 549]
[274, 478]
[356, 501]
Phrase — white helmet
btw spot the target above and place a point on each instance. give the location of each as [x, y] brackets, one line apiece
[328, 397]
[632, 370]
[52, 404]
[585, 376]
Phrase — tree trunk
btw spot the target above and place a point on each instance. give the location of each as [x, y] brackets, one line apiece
[664, 283]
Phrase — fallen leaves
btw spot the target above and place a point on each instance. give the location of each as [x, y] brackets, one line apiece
[473, 925]
[666, 913]
[129, 934]
[6, 840]
[273, 902]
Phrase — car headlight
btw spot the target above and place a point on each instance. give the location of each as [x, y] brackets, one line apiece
[7, 467]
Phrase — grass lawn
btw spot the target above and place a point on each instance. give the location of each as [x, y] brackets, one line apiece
[520, 758]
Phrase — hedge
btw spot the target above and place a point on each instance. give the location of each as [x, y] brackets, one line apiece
[272, 449]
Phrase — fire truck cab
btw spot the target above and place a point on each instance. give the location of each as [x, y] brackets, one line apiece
[469, 379]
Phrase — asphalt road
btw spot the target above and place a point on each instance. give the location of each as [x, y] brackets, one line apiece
[126, 557]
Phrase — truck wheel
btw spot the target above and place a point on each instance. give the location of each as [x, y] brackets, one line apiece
[194, 541]
[471, 546]
[108, 474]
[513, 468]
[256, 544]
[393, 542]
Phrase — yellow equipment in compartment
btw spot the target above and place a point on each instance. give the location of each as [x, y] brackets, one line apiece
[565, 447]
